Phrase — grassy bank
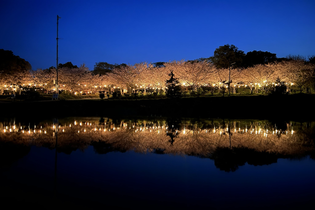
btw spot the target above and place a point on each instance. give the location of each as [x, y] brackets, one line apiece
[292, 107]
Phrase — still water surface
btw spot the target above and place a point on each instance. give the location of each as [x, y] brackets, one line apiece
[157, 163]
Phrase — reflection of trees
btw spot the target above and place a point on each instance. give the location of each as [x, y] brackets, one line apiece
[173, 125]
[229, 159]
[229, 143]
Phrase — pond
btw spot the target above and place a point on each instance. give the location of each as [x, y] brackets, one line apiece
[87, 163]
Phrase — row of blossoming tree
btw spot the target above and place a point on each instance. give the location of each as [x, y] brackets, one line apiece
[145, 77]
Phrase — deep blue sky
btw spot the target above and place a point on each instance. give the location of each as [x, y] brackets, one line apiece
[122, 31]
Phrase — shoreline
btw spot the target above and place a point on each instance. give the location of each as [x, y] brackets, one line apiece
[292, 107]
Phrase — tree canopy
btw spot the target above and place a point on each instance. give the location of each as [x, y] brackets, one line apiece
[68, 65]
[312, 59]
[158, 64]
[10, 63]
[225, 55]
[102, 68]
[259, 57]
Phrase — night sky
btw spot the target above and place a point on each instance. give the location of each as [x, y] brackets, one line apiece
[122, 31]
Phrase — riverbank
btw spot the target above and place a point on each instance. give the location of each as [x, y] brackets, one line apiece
[291, 107]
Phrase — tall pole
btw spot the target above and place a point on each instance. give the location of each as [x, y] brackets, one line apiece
[57, 86]
[229, 79]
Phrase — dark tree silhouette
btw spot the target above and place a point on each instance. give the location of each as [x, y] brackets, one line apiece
[259, 57]
[312, 59]
[159, 64]
[102, 68]
[225, 55]
[173, 88]
[11, 64]
[67, 65]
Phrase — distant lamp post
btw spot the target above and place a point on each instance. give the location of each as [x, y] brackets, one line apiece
[230, 77]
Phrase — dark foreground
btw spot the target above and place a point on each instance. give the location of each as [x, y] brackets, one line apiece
[292, 107]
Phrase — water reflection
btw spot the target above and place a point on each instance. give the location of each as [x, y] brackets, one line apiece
[230, 143]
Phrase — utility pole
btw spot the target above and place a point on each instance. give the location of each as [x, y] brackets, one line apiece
[57, 85]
